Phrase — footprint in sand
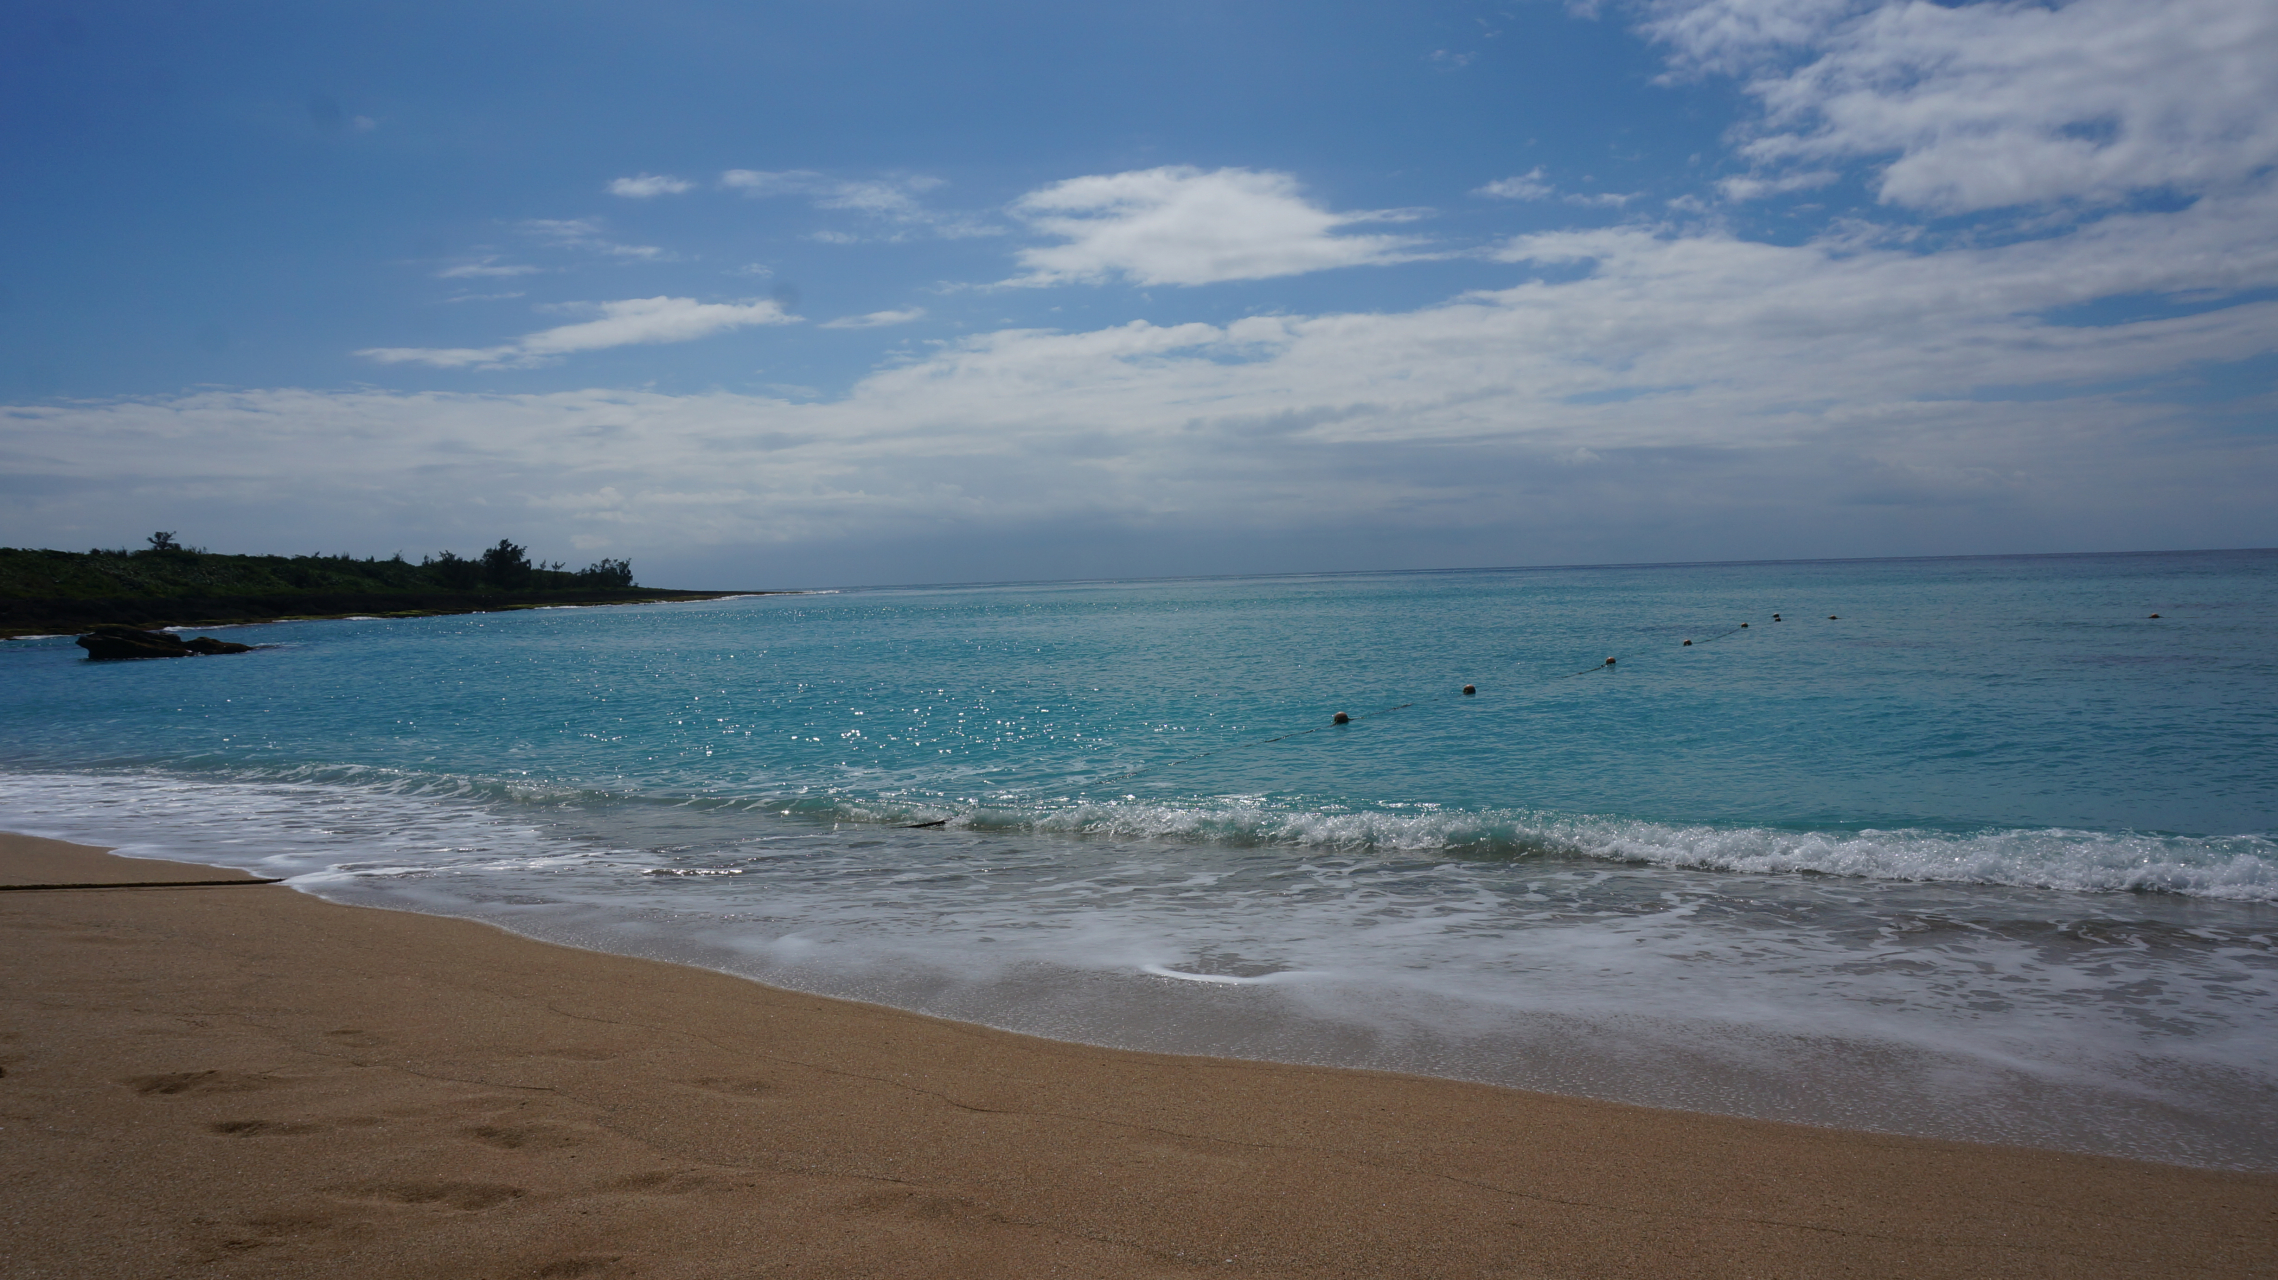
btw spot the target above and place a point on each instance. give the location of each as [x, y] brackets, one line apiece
[725, 1084]
[264, 1228]
[196, 1082]
[663, 1182]
[248, 1128]
[527, 1137]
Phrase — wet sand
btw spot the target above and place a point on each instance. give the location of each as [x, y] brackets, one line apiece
[246, 1081]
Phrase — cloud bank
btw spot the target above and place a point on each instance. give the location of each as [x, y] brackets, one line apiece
[1684, 391]
[2083, 364]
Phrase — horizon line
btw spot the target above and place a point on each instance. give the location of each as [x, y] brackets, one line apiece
[1513, 568]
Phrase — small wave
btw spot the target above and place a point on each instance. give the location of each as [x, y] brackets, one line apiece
[2237, 868]
[2240, 868]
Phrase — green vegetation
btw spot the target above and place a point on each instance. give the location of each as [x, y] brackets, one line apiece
[167, 569]
[167, 583]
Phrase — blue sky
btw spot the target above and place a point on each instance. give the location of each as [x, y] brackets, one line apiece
[804, 295]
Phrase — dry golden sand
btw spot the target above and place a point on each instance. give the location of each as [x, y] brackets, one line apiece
[245, 1081]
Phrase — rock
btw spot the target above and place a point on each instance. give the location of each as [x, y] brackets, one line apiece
[111, 643]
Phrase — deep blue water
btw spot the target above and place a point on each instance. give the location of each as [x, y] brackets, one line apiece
[1975, 847]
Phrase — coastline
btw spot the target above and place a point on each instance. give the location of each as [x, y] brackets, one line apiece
[36, 619]
[251, 1081]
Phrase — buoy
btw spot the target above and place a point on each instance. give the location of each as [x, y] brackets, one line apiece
[1468, 690]
[1609, 662]
[1775, 617]
[1743, 626]
[1831, 617]
[1339, 718]
[1688, 644]
[2155, 615]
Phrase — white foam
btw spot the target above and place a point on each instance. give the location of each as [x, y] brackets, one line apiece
[1226, 979]
[2240, 868]
[1582, 955]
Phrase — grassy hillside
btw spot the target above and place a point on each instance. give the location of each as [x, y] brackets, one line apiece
[168, 585]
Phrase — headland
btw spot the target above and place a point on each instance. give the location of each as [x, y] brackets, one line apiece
[46, 592]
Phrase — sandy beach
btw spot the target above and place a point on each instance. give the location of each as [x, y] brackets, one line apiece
[246, 1081]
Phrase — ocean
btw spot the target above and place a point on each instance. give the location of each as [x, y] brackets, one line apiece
[1971, 848]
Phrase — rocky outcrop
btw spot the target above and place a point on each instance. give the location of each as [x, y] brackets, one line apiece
[114, 643]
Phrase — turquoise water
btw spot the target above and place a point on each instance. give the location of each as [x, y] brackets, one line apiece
[1969, 847]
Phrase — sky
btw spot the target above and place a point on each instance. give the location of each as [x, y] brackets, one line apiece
[780, 295]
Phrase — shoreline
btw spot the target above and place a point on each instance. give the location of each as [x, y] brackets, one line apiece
[71, 618]
[734, 891]
[253, 1081]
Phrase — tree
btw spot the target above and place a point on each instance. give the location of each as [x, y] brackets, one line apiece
[506, 565]
[164, 542]
[607, 573]
[452, 573]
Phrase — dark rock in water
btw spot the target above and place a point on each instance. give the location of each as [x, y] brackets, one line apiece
[113, 643]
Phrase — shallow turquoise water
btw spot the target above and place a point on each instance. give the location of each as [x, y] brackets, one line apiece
[1986, 853]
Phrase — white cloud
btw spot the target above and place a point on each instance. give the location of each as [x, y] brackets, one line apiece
[616, 324]
[892, 201]
[876, 319]
[483, 268]
[1998, 104]
[761, 182]
[1738, 188]
[648, 185]
[893, 197]
[1527, 186]
[586, 234]
[1736, 37]
[1532, 186]
[1181, 225]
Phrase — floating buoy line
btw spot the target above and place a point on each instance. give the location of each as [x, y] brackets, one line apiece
[1342, 719]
